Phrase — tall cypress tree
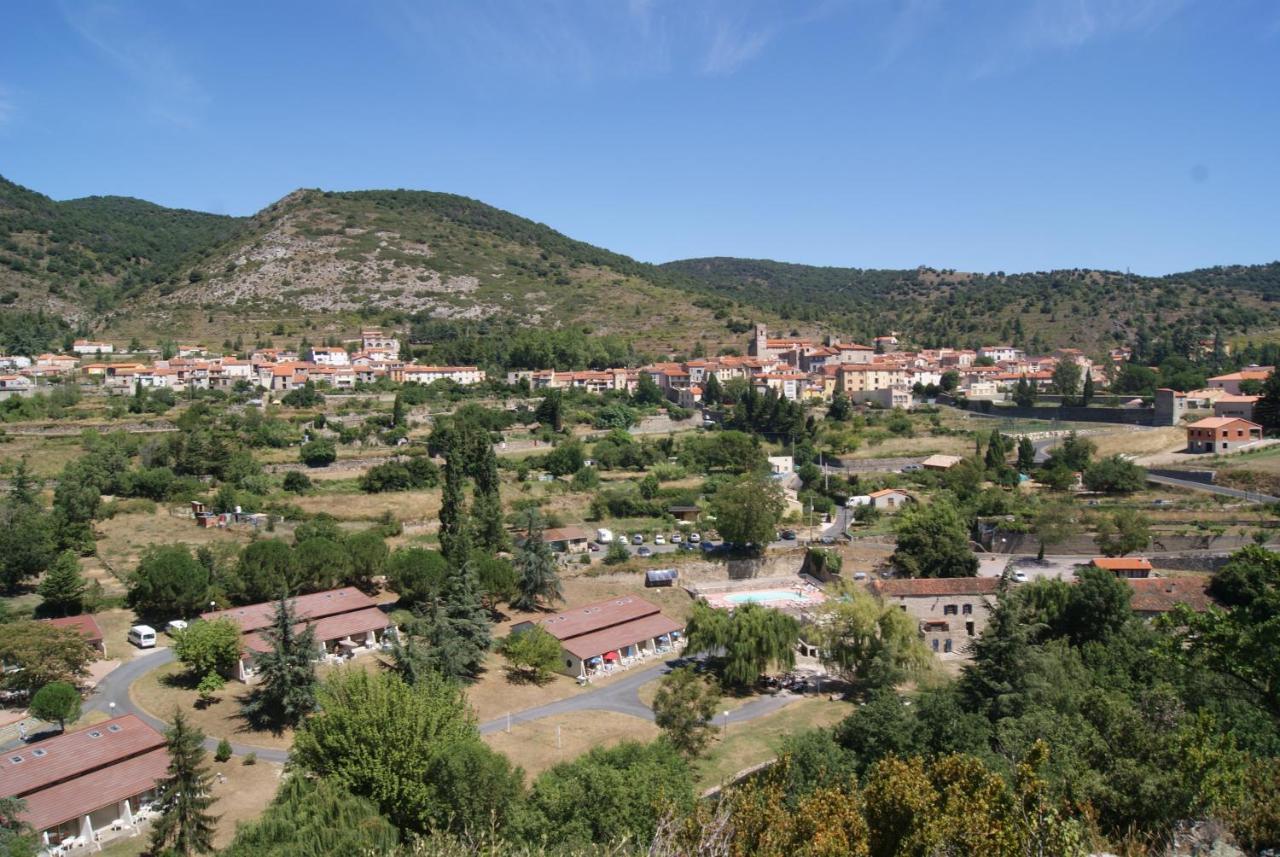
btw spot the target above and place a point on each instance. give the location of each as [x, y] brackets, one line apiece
[486, 508]
[184, 825]
[286, 690]
[454, 543]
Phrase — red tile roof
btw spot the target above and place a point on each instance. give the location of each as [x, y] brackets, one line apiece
[254, 617]
[1160, 594]
[69, 755]
[1122, 563]
[618, 636]
[934, 587]
[565, 534]
[84, 623]
[333, 627]
[597, 616]
[95, 790]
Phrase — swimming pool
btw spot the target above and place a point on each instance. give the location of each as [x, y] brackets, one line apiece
[764, 596]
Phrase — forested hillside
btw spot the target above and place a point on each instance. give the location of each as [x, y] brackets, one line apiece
[470, 279]
[85, 256]
[1083, 308]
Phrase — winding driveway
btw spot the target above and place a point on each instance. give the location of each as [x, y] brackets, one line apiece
[621, 696]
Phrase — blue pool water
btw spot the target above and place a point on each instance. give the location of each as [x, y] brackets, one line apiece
[763, 596]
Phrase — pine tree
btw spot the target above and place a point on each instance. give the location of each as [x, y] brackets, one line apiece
[22, 487]
[536, 576]
[450, 636]
[63, 587]
[1026, 454]
[286, 690]
[995, 451]
[184, 825]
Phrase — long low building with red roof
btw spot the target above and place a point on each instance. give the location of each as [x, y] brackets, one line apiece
[81, 784]
[600, 636]
[345, 621]
[88, 628]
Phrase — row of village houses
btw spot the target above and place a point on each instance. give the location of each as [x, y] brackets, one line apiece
[794, 368]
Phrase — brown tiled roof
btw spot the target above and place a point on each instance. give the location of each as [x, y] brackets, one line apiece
[66, 756]
[564, 534]
[333, 627]
[626, 634]
[933, 587]
[84, 623]
[95, 790]
[254, 617]
[595, 617]
[1159, 594]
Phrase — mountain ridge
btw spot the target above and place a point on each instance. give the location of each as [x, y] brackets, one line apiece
[329, 259]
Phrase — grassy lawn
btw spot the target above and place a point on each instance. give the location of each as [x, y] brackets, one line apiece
[756, 741]
[242, 796]
[404, 505]
[159, 693]
[533, 746]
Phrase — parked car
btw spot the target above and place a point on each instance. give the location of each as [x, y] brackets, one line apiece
[827, 540]
[788, 535]
[175, 626]
[645, 551]
[659, 539]
[637, 539]
[676, 538]
[910, 468]
[860, 575]
[1020, 577]
[695, 537]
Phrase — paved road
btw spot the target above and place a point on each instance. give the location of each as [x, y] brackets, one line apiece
[623, 697]
[620, 696]
[114, 687]
[1248, 496]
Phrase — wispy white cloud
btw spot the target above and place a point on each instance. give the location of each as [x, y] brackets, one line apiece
[1061, 26]
[733, 46]
[586, 41]
[130, 43]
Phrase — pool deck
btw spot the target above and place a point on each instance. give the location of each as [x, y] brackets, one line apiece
[796, 596]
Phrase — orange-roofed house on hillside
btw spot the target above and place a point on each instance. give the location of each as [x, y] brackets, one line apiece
[1232, 380]
[1159, 595]
[1124, 566]
[1221, 434]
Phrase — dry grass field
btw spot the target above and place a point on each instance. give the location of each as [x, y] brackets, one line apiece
[123, 538]
[757, 741]
[533, 746]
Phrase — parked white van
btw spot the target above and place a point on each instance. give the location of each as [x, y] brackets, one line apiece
[604, 536]
[142, 636]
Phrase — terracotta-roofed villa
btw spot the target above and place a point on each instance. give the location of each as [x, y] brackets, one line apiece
[82, 786]
[346, 622]
[601, 637]
[88, 628]
[1221, 434]
[1124, 566]
[1159, 595]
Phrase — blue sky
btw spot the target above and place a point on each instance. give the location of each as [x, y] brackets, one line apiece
[984, 135]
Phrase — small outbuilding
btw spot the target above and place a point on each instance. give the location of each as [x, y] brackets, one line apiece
[655, 577]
